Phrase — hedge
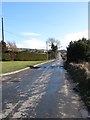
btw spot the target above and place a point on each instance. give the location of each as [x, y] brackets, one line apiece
[6, 57]
[24, 56]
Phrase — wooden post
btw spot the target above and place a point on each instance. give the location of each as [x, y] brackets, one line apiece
[2, 30]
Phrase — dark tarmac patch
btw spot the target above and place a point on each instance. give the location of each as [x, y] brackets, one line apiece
[47, 67]
[32, 67]
[15, 81]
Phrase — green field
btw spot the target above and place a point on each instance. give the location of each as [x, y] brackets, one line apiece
[10, 66]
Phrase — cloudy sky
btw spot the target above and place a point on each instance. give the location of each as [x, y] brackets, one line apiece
[31, 24]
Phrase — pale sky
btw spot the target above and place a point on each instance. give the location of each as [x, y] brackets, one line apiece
[30, 24]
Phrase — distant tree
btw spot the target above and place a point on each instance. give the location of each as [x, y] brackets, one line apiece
[54, 46]
[54, 49]
[55, 42]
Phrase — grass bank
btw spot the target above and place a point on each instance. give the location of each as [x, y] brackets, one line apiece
[10, 66]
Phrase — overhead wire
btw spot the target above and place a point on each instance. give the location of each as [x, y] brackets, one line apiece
[15, 34]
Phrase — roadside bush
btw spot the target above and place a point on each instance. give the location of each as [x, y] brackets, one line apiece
[80, 73]
[77, 73]
[78, 51]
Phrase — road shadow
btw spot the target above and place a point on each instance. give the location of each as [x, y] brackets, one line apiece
[44, 67]
[32, 67]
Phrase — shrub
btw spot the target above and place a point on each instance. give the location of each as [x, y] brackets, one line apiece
[80, 73]
[78, 51]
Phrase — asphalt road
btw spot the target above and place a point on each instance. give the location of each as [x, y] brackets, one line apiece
[45, 91]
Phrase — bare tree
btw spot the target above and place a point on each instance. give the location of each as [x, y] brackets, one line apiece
[51, 41]
[12, 48]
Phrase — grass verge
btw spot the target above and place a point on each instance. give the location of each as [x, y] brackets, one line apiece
[10, 66]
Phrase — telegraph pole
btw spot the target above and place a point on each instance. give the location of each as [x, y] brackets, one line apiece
[2, 30]
[47, 48]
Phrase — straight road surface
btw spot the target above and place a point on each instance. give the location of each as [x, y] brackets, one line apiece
[45, 91]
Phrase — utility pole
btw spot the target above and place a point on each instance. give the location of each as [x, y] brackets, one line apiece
[47, 48]
[3, 44]
[2, 30]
